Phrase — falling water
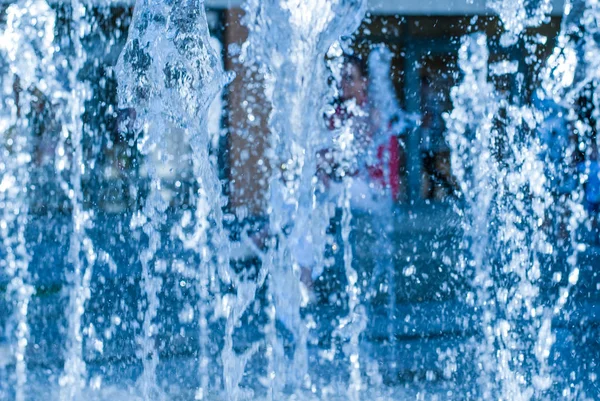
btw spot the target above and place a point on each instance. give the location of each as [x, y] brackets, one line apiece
[498, 162]
[345, 151]
[494, 192]
[81, 255]
[518, 15]
[569, 81]
[389, 119]
[169, 73]
[27, 45]
[491, 141]
[289, 39]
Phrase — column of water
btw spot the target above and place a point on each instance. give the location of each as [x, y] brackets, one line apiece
[27, 45]
[385, 104]
[570, 80]
[289, 40]
[497, 160]
[81, 256]
[526, 196]
[169, 73]
[348, 154]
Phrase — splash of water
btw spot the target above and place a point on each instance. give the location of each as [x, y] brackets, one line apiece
[169, 73]
[570, 81]
[388, 119]
[27, 45]
[501, 177]
[571, 67]
[290, 61]
[82, 255]
[518, 15]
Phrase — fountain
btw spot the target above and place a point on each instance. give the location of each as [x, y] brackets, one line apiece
[171, 295]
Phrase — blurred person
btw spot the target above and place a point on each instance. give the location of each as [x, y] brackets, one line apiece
[372, 162]
[331, 167]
